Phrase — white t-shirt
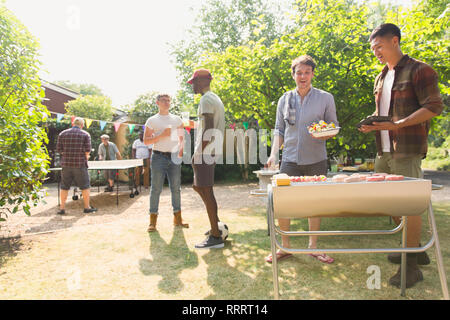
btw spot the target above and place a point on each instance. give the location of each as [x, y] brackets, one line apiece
[160, 122]
[142, 150]
[384, 108]
[211, 103]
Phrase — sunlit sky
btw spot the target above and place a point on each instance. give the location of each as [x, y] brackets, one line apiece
[120, 46]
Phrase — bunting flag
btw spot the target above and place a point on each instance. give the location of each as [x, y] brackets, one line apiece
[102, 124]
[117, 126]
[232, 126]
[88, 122]
[245, 125]
[131, 127]
[59, 117]
[73, 119]
[188, 129]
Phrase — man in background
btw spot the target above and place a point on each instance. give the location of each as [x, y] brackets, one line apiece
[74, 146]
[142, 151]
[107, 150]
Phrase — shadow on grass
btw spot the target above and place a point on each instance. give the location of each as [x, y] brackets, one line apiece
[9, 248]
[169, 260]
[104, 202]
[238, 271]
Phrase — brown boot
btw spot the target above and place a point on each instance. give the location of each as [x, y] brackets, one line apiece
[152, 226]
[413, 273]
[178, 221]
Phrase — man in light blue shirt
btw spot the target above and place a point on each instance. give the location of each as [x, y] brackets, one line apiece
[303, 154]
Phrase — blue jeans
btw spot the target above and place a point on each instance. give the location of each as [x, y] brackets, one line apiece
[162, 166]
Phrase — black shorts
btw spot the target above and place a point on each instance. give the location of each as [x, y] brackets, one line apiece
[79, 175]
[203, 174]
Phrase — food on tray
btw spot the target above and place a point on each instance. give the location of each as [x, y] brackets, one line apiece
[371, 119]
[355, 178]
[308, 178]
[380, 174]
[282, 179]
[394, 177]
[375, 178]
[351, 169]
[339, 177]
[323, 129]
[362, 176]
[321, 126]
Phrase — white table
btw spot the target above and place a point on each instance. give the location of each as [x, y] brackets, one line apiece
[109, 165]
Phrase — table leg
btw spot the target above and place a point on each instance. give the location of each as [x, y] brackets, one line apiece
[439, 260]
[403, 263]
[59, 186]
[272, 233]
[117, 187]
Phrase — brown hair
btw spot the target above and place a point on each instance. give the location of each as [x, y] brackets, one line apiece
[305, 59]
[162, 95]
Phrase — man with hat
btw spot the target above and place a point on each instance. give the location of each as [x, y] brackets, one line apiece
[208, 148]
[109, 151]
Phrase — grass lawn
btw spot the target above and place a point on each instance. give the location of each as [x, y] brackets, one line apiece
[120, 260]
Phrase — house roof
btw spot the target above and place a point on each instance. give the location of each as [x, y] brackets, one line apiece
[60, 89]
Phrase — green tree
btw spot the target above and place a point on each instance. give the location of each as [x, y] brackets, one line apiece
[23, 158]
[219, 25]
[251, 78]
[85, 89]
[426, 36]
[92, 107]
[145, 106]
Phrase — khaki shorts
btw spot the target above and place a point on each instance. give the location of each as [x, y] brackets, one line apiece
[408, 167]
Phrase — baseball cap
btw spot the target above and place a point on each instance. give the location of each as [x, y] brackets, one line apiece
[200, 73]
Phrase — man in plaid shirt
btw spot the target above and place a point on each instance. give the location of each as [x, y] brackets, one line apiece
[74, 145]
[407, 90]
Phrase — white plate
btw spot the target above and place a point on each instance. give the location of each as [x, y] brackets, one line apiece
[326, 133]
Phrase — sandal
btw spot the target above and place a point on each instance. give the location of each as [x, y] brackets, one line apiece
[322, 257]
[280, 256]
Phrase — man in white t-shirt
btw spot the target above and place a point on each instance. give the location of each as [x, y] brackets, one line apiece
[142, 151]
[208, 149]
[166, 132]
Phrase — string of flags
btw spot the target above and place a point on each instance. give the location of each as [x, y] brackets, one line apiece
[102, 123]
[131, 126]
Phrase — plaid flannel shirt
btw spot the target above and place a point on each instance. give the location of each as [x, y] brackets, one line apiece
[73, 144]
[415, 86]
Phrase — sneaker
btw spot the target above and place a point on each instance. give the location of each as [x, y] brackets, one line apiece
[209, 231]
[62, 211]
[211, 242]
[90, 210]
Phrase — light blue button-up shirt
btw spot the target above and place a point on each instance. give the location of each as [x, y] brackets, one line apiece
[299, 146]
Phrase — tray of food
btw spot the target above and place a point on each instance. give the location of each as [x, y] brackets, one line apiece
[323, 129]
